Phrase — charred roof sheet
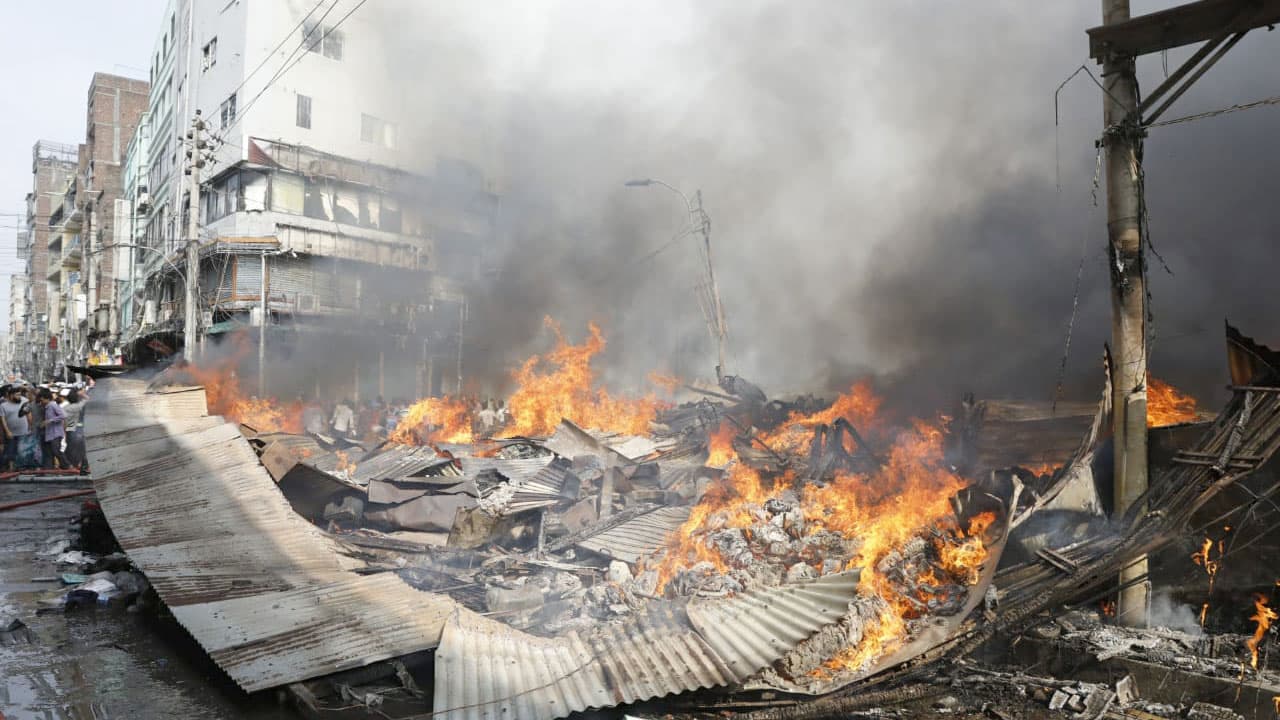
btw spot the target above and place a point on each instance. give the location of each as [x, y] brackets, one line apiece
[395, 462]
[485, 669]
[266, 593]
[638, 537]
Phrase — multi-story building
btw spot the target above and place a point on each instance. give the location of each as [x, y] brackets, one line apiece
[131, 212]
[115, 107]
[52, 165]
[319, 214]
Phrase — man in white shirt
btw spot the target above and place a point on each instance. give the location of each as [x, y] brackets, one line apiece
[488, 419]
[344, 419]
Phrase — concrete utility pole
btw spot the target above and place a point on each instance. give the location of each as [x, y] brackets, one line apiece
[1116, 44]
[1122, 145]
[262, 332]
[700, 222]
[191, 324]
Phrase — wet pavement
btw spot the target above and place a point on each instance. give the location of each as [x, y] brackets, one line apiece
[98, 662]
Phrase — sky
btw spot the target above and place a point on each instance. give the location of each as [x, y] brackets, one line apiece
[889, 190]
[49, 82]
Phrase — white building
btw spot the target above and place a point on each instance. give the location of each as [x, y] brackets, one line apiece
[368, 241]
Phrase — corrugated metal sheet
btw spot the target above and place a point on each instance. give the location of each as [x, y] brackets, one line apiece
[270, 597]
[400, 461]
[550, 485]
[514, 469]
[639, 537]
[485, 669]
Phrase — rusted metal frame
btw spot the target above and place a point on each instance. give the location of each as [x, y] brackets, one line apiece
[754, 438]
[1255, 388]
[1234, 464]
[1155, 115]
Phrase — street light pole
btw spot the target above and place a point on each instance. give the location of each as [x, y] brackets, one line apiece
[700, 222]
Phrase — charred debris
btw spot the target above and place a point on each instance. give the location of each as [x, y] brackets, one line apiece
[746, 557]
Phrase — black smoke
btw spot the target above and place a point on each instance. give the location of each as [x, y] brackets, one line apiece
[888, 190]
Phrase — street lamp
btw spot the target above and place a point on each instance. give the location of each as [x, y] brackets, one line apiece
[700, 222]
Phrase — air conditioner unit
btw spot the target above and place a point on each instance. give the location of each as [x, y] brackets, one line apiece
[308, 303]
[144, 202]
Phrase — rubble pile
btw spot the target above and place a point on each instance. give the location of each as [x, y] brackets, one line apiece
[580, 527]
[598, 528]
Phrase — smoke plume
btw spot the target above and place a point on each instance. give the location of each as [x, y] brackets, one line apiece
[888, 191]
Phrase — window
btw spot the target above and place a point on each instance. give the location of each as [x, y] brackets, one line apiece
[377, 131]
[209, 54]
[304, 111]
[228, 111]
[323, 39]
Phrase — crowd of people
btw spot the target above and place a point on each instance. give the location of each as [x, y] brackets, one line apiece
[43, 426]
[376, 420]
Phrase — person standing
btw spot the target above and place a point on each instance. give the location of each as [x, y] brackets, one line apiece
[54, 429]
[75, 430]
[344, 419]
[13, 413]
[32, 452]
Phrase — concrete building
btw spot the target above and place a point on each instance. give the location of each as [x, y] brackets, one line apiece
[114, 108]
[131, 211]
[52, 165]
[318, 213]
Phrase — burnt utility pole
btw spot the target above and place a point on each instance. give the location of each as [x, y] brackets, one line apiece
[195, 161]
[1117, 44]
[1122, 147]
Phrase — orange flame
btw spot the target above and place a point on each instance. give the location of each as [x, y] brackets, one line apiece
[1201, 558]
[1167, 405]
[859, 406]
[1263, 616]
[720, 445]
[669, 383]
[1204, 610]
[559, 385]
[1108, 608]
[907, 498]
[345, 463]
[225, 398]
[434, 420]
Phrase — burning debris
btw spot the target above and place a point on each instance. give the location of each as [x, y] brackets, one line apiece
[593, 528]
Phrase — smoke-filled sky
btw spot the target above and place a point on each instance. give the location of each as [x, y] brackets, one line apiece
[887, 188]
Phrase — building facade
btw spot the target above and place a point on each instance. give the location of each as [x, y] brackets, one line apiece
[317, 213]
[80, 279]
[52, 166]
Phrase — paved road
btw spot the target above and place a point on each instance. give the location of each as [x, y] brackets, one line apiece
[96, 663]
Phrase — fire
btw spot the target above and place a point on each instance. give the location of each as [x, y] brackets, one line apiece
[669, 383]
[908, 498]
[1167, 405]
[1201, 558]
[1263, 616]
[225, 398]
[434, 420]
[859, 406]
[720, 450]
[559, 385]
[345, 463]
[1204, 610]
[1108, 608]
[1041, 469]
